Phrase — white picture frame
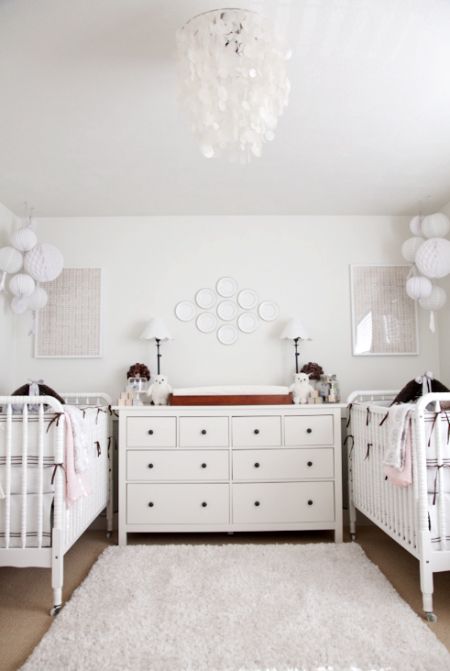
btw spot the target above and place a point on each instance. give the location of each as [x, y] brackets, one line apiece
[384, 318]
[70, 326]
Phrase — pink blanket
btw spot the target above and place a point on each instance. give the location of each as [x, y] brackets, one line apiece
[402, 477]
[77, 484]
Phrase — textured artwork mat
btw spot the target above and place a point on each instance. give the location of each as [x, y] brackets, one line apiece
[384, 318]
[70, 324]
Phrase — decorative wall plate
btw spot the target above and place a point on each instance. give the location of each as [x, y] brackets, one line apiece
[247, 299]
[248, 322]
[227, 334]
[268, 311]
[185, 311]
[205, 298]
[206, 322]
[226, 287]
[227, 310]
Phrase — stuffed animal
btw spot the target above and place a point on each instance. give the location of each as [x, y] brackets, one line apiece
[301, 389]
[160, 390]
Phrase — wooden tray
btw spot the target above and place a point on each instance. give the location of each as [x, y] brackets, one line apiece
[238, 399]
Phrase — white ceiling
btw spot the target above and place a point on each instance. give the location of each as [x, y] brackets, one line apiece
[90, 124]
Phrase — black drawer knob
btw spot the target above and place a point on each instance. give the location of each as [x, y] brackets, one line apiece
[151, 504]
[150, 465]
[310, 463]
[256, 464]
[310, 502]
[203, 465]
[257, 503]
[256, 431]
[203, 432]
[150, 432]
[308, 430]
[204, 504]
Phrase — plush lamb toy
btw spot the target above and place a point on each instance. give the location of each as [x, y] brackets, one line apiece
[160, 390]
[301, 389]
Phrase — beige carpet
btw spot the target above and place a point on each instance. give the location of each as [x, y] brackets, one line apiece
[25, 594]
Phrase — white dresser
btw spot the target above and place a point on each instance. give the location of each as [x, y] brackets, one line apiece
[222, 468]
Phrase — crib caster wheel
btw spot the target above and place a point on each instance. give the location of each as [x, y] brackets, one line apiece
[353, 537]
[55, 610]
[108, 534]
[431, 617]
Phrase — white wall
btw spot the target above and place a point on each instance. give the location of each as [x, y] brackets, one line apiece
[151, 263]
[7, 220]
[444, 326]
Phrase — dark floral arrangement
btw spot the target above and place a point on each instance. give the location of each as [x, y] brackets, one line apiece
[314, 370]
[139, 370]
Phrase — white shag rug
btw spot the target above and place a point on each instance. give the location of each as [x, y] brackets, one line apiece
[237, 607]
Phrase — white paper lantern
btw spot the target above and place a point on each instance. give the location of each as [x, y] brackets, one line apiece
[10, 260]
[24, 239]
[410, 248]
[415, 225]
[435, 225]
[418, 287]
[38, 299]
[44, 262]
[19, 305]
[435, 301]
[21, 285]
[433, 257]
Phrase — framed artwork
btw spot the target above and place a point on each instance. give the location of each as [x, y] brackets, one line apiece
[384, 318]
[70, 324]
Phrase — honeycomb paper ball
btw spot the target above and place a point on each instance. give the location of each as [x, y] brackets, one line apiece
[19, 305]
[410, 248]
[24, 239]
[433, 257]
[418, 287]
[21, 285]
[38, 299]
[435, 301]
[415, 225]
[44, 262]
[435, 225]
[10, 260]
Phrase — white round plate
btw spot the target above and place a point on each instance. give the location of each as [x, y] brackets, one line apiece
[227, 310]
[185, 311]
[247, 322]
[247, 299]
[205, 298]
[206, 322]
[268, 311]
[227, 334]
[226, 287]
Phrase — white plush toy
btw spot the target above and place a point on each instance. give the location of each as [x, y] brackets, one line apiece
[301, 389]
[160, 390]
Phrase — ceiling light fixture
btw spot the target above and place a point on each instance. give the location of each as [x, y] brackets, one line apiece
[233, 81]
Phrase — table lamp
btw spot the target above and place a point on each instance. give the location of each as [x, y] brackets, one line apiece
[294, 330]
[156, 330]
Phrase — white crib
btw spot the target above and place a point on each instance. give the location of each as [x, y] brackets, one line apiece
[417, 516]
[37, 528]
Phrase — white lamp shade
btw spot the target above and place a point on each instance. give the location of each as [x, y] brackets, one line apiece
[433, 257]
[295, 329]
[435, 225]
[44, 262]
[156, 330]
[410, 248]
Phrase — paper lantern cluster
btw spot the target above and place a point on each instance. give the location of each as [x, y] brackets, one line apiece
[28, 263]
[429, 252]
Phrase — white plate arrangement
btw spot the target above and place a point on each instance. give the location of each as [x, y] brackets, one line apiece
[206, 322]
[205, 298]
[247, 299]
[268, 311]
[227, 334]
[185, 311]
[226, 287]
[227, 310]
[247, 322]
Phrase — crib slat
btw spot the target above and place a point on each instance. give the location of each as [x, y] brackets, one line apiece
[41, 429]
[23, 524]
[8, 474]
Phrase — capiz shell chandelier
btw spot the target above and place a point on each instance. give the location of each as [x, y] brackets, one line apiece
[233, 81]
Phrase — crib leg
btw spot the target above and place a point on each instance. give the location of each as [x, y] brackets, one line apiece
[352, 517]
[110, 504]
[57, 571]
[426, 585]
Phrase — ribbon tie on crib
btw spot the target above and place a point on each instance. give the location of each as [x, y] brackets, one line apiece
[437, 467]
[425, 380]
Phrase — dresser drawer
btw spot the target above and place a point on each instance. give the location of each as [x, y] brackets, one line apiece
[283, 464]
[151, 432]
[308, 430]
[203, 431]
[154, 465]
[288, 502]
[256, 431]
[177, 504]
